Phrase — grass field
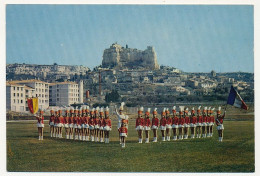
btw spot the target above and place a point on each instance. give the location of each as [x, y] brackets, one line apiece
[235, 154]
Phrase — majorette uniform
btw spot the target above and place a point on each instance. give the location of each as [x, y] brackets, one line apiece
[75, 122]
[123, 132]
[147, 124]
[181, 125]
[139, 124]
[107, 125]
[219, 123]
[40, 123]
[122, 116]
[155, 123]
[175, 121]
[96, 123]
[51, 121]
[193, 122]
[186, 125]
[208, 124]
[169, 122]
[163, 123]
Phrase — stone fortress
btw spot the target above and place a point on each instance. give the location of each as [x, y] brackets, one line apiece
[118, 57]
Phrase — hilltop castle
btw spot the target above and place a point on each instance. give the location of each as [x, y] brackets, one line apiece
[119, 57]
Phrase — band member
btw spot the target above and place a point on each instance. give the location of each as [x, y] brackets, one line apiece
[155, 124]
[193, 122]
[40, 124]
[84, 123]
[66, 123]
[123, 134]
[163, 124]
[87, 131]
[199, 123]
[139, 125]
[186, 123]
[175, 121]
[107, 125]
[101, 125]
[120, 116]
[61, 122]
[204, 122]
[219, 123]
[212, 120]
[79, 124]
[56, 122]
[181, 124]
[168, 125]
[91, 124]
[208, 121]
[147, 125]
[51, 123]
[75, 124]
[96, 124]
[71, 123]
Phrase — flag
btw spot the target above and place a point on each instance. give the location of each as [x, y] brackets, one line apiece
[32, 105]
[234, 99]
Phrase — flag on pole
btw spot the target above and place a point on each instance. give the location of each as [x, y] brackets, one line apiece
[33, 105]
[235, 99]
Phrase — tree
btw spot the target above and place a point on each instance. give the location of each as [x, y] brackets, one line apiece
[112, 97]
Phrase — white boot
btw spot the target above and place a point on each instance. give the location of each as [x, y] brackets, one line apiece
[146, 140]
[87, 138]
[123, 145]
[154, 139]
[221, 139]
[51, 133]
[97, 139]
[163, 138]
[39, 137]
[107, 140]
[102, 140]
[61, 135]
[140, 140]
[92, 138]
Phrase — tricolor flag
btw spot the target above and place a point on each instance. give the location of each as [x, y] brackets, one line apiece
[234, 99]
[32, 105]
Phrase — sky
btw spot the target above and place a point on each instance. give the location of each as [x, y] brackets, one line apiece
[193, 38]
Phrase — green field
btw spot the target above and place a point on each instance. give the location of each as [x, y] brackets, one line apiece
[234, 154]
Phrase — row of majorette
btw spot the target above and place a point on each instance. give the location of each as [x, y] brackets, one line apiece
[81, 124]
[198, 124]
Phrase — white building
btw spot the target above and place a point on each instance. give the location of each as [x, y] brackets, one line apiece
[66, 93]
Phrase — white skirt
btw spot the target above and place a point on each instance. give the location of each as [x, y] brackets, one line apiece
[55, 125]
[154, 127]
[180, 126]
[220, 127]
[147, 128]
[79, 126]
[168, 126]
[101, 128]
[91, 127]
[66, 125]
[40, 125]
[75, 126]
[86, 126]
[175, 126]
[198, 124]
[186, 125]
[51, 123]
[107, 128]
[59, 125]
[163, 128]
[139, 127]
[211, 124]
[71, 125]
[123, 134]
[192, 125]
[96, 126]
[204, 124]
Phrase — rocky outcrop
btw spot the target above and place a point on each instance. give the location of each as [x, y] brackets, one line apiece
[119, 57]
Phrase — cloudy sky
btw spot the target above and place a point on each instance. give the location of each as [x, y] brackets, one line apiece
[193, 38]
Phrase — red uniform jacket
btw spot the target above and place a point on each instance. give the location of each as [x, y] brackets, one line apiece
[155, 121]
[147, 122]
[212, 119]
[101, 122]
[78, 121]
[220, 120]
[187, 120]
[169, 121]
[66, 120]
[40, 120]
[204, 119]
[107, 122]
[208, 119]
[123, 130]
[199, 119]
[193, 120]
[175, 120]
[163, 121]
[56, 120]
[91, 121]
[139, 121]
[71, 120]
[75, 120]
[52, 118]
[181, 121]
[96, 121]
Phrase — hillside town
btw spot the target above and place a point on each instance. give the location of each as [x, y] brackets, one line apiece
[63, 85]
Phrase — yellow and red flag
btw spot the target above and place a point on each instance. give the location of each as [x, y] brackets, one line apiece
[33, 105]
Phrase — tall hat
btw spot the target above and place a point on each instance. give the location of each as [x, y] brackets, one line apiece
[193, 110]
[174, 109]
[96, 111]
[41, 111]
[163, 111]
[208, 110]
[67, 110]
[60, 111]
[52, 111]
[80, 110]
[76, 110]
[121, 108]
[87, 109]
[167, 111]
[186, 110]
[107, 110]
[198, 110]
[71, 110]
[148, 111]
[211, 111]
[205, 109]
[155, 111]
[83, 108]
[141, 109]
[101, 111]
[219, 110]
[92, 111]
[181, 109]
